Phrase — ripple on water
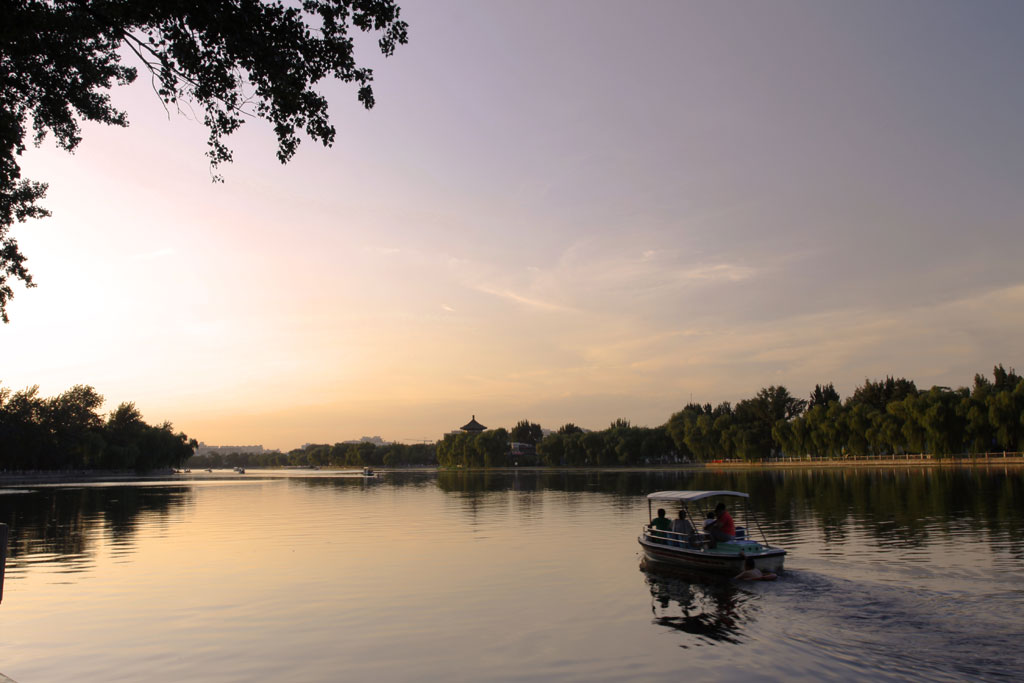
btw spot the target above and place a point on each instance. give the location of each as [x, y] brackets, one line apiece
[900, 630]
[504, 577]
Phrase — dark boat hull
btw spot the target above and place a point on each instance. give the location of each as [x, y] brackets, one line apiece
[767, 560]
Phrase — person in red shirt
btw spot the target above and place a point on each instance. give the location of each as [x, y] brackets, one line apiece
[724, 529]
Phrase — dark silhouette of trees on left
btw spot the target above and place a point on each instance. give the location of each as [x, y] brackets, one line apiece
[67, 432]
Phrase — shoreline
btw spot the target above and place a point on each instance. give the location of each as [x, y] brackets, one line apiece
[36, 478]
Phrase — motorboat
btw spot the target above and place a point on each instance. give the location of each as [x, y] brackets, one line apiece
[368, 472]
[698, 550]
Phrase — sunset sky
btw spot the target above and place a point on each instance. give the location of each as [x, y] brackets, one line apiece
[571, 211]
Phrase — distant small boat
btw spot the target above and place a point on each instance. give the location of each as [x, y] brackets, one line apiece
[240, 470]
[368, 472]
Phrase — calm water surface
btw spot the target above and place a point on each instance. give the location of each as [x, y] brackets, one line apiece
[892, 575]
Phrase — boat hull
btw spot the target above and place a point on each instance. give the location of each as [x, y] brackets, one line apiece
[703, 560]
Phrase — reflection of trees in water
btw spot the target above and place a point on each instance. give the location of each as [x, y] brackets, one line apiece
[473, 482]
[898, 506]
[61, 521]
[714, 610]
[903, 507]
[626, 484]
[475, 491]
[358, 481]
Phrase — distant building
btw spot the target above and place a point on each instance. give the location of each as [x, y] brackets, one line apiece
[227, 450]
[473, 426]
[375, 440]
[518, 450]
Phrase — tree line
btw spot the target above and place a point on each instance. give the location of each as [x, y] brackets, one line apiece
[569, 446]
[360, 454]
[890, 416]
[67, 432]
[882, 417]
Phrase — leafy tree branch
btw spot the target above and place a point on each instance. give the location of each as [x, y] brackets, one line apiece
[234, 59]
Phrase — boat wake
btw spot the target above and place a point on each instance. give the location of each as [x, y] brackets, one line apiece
[870, 627]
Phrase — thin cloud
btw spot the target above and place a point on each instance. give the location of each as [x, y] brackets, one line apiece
[927, 343]
[523, 300]
[727, 272]
[152, 255]
[383, 251]
[610, 265]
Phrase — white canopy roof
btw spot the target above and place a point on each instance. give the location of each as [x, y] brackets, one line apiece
[690, 496]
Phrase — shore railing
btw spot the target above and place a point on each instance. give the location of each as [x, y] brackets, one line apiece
[888, 457]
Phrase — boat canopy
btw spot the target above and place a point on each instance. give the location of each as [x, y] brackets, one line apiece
[690, 496]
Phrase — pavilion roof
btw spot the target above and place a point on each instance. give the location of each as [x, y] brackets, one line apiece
[473, 426]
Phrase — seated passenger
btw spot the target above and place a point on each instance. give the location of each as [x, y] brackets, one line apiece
[661, 523]
[724, 529]
[684, 528]
[708, 522]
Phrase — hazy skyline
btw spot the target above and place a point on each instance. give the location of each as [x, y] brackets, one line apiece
[574, 211]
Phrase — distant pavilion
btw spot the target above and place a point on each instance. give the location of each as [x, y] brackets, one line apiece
[473, 427]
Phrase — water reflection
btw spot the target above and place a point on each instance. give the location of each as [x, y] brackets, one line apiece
[900, 509]
[626, 483]
[893, 575]
[712, 610]
[61, 525]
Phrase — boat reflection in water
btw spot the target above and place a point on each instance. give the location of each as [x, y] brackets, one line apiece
[713, 609]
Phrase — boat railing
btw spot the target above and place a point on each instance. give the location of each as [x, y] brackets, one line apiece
[697, 539]
[675, 538]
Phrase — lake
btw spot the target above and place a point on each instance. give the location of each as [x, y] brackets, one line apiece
[892, 574]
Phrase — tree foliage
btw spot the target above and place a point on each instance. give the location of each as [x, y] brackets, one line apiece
[622, 444]
[892, 416]
[230, 59]
[881, 393]
[489, 448]
[882, 417]
[822, 395]
[67, 432]
[358, 454]
[527, 432]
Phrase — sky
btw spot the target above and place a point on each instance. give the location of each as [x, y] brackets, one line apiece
[564, 212]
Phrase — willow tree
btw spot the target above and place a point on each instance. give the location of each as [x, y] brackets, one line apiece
[230, 59]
